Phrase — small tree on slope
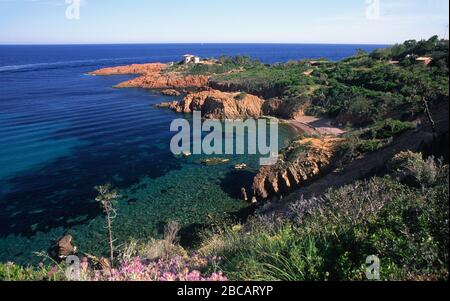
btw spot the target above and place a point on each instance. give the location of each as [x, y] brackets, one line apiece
[107, 198]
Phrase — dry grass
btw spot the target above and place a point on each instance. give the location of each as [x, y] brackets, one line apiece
[156, 248]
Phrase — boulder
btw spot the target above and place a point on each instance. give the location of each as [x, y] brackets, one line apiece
[64, 247]
[170, 92]
[244, 194]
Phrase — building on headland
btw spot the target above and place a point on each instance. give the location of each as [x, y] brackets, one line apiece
[425, 60]
[314, 63]
[189, 58]
[318, 62]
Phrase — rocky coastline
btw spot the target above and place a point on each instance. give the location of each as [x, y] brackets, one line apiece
[216, 101]
[152, 76]
[219, 102]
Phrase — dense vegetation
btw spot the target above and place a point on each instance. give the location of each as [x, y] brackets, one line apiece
[285, 79]
[360, 90]
[224, 64]
[370, 139]
[407, 52]
[401, 218]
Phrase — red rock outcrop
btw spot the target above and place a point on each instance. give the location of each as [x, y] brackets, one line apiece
[284, 109]
[219, 105]
[166, 81]
[153, 77]
[302, 161]
[140, 69]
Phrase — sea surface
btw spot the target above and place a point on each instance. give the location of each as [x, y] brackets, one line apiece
[62, 132]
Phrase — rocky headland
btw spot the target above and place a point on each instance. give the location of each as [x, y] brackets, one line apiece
[214, 104]
[301, 162]
[153, 76]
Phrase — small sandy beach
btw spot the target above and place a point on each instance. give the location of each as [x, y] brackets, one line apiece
[316, 126]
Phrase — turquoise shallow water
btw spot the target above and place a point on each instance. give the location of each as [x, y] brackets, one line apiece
[63, 132]
[166, 188]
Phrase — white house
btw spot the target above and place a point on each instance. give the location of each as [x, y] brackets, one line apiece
[189, 58]
[425, 60]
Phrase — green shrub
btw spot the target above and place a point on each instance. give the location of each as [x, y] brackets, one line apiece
[409, 167]
[368, 146]
[13, 272]
[387, 129]
[329, 238]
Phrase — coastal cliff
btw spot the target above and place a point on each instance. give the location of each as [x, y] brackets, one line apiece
[283, 109]
[302, 161]
[264, 92]
[215, 104]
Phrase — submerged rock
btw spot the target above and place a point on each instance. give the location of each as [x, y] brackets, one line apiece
[167, 105]
[186, 154]
[214, 161]
[240, 166]
[170, 92]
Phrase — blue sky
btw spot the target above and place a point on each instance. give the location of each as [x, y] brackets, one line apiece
[205, 21]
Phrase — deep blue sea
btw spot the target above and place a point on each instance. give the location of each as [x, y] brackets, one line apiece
[62, 132]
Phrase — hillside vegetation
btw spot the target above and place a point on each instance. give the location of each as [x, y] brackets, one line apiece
[359, 90]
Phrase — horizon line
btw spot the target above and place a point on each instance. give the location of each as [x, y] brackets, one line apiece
[194, 43]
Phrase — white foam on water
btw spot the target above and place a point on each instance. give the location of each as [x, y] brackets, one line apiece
[63, 63]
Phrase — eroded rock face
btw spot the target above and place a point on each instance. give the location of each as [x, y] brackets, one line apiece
[263, 92]
[166, 81]
[153, 77]
[302, 161]
[283, 109]
[219, 105]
